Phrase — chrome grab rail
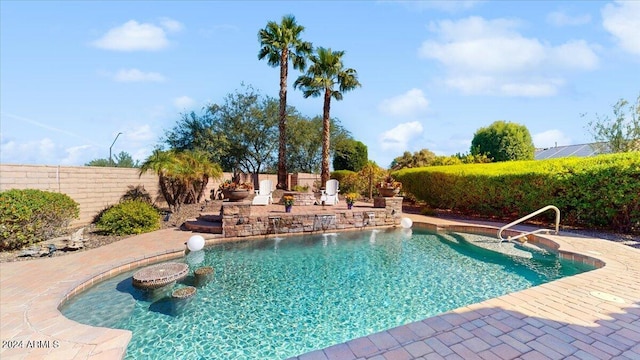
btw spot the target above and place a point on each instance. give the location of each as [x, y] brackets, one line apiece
[548, 207]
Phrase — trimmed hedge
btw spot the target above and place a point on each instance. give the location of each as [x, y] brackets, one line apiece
[129, 217]
[29, 216]
[601, 191]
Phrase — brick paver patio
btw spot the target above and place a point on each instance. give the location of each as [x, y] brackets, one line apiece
[594, 315]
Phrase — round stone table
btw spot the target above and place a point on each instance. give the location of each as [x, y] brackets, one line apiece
[157, 276]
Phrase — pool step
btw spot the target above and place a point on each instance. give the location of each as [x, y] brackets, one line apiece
[204, 226]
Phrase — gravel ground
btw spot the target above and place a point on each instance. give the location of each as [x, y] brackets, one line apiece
[92, 239]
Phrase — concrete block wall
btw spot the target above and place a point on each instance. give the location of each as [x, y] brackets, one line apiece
[93, 188]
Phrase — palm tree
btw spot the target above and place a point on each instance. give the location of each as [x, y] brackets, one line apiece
[281, 43]
[324, 74]
[182, 176]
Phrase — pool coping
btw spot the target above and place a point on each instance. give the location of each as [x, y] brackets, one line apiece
[555, 320]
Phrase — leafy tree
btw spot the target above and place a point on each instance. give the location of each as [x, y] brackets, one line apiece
[325, 74]
[281, 43]
[371, 173]
[123, 159]
[503, 141]
[621, 134]
[247, 120]
[196, 132]
[420, 158]
[182, 176]
[350, 155]
[240, 134]
[304, 147]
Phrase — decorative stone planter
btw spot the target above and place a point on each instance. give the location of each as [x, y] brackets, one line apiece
[203, 275]
[236, 195]
[300, 198]
[388, 192]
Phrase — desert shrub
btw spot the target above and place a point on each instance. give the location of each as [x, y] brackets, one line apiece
[599, 192]
[29, 216]
[129, 217]
[138, 193]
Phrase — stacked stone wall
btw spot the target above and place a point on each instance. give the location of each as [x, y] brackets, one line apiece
[238, 221]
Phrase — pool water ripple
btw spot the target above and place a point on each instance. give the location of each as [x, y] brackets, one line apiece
[275, 299]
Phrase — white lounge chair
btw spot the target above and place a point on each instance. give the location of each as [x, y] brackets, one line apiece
[263, 194]
[330, 192]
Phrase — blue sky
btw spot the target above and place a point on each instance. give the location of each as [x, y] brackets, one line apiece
[75, 74]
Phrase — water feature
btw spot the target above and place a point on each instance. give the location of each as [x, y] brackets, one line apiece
[267, 303]
[324, 222]
[275, 223]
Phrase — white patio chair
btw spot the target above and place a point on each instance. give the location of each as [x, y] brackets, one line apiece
[330, 193]
[263, 194]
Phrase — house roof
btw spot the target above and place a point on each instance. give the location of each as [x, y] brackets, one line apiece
[580, 150]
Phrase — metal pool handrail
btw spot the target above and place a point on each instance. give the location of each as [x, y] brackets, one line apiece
[548, 207]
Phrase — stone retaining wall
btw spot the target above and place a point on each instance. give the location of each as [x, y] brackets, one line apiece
[238, 221]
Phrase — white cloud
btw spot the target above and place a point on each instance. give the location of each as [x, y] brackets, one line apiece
[398, 138]
[139, 133]
[574, 55]
[622, 20]
[491, 57]
[43, 152]
[135, 75]
[183, 102]
[141, 154]
[558, 18]
[133, 36]
[171, 25]
[550, 138]
[408, 104]
[75, 155]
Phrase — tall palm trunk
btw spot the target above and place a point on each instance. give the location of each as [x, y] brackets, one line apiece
[282, 125]
[324, 175]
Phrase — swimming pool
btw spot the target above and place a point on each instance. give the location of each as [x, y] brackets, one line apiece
[273, 299]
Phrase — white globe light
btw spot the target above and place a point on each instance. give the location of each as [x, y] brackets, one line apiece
[195, 243]
[406, 223]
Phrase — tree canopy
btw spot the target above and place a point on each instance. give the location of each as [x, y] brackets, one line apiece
[123, 159]
[503, 141]
[241, 134]
[350, 155]
[622, 133]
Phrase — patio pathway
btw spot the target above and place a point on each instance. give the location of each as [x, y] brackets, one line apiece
[594, 315]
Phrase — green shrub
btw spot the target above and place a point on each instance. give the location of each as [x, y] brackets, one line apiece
[29, 216]
[129, 217]
[350, 182]
[599, 192]
[300, 188]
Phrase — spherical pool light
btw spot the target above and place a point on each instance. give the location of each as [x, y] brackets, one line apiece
[195, 243]
[406, 223]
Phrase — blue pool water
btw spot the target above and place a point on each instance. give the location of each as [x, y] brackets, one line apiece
[272, 299]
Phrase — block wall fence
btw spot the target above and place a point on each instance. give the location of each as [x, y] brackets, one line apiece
[95, 188]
